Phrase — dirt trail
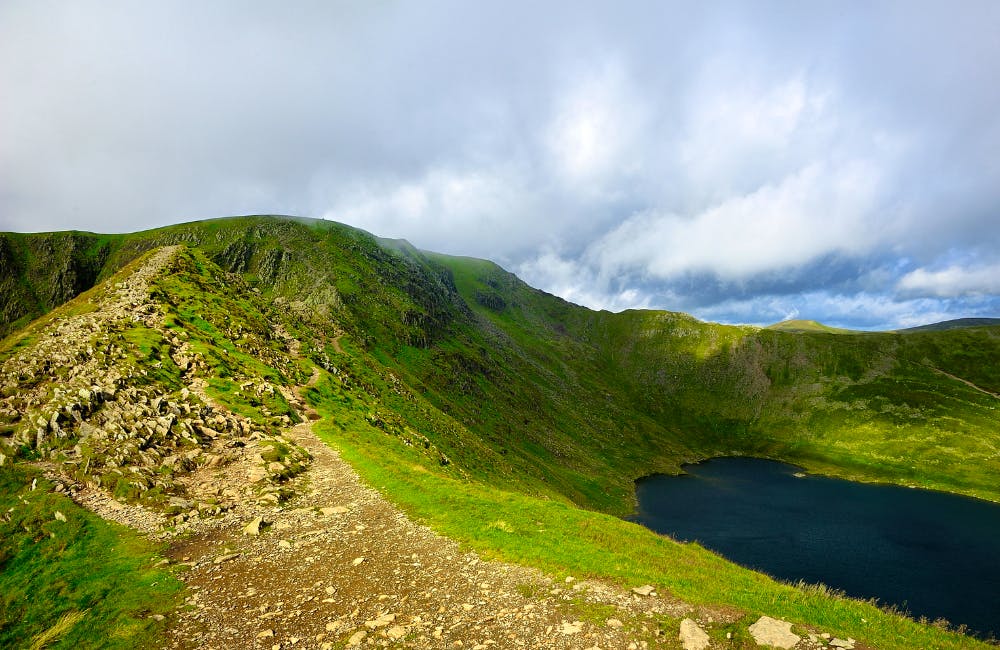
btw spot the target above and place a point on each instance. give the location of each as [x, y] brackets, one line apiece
[340, 564]
[336, 565]
[965, 381]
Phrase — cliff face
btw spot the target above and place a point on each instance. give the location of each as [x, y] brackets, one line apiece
[40, 272]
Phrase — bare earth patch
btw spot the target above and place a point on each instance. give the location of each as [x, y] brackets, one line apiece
[338, 564]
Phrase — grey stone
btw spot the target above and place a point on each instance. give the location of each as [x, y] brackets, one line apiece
[644, 590]
[773, 632]
[692, 637]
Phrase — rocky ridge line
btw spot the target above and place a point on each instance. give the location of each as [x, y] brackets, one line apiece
[272, 558]
[77, 400]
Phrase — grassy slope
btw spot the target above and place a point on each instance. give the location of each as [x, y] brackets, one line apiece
[40, 272]
[655, 388]
[868, 406]
[78, 583]
[570, 402]
[505, 387]
[563, 539]
[807, 326]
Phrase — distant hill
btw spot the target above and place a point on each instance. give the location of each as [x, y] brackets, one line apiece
[807, 326]
[957, 323]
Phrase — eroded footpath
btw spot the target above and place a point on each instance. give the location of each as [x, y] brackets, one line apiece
[288, 550]
[339, 564]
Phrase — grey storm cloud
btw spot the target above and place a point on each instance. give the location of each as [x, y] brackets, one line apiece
[744, 161]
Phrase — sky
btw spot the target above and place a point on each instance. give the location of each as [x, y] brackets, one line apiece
[745, 162]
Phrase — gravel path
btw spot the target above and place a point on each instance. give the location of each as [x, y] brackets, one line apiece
[336, 565]
[340, 564]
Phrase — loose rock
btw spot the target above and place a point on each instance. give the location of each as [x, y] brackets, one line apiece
[691, 635]
[253, 528]
[773, 632]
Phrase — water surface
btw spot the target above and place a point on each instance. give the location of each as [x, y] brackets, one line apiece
[934, 554]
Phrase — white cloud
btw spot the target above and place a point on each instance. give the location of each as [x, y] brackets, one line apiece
[952, 281]
[592, 137]
[454, 211]
[671, 155]
[868, 311]
[577, 283]
[820, 210]
[740, 133]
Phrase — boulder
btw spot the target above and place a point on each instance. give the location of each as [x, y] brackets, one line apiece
[692, 636]
[253, 528]
[773, 632]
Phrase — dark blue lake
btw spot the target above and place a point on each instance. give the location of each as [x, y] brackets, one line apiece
[933, 554]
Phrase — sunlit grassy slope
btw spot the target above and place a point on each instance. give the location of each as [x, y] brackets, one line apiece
[566, 401]
[73, 580]
[493, 411]
[807, 326]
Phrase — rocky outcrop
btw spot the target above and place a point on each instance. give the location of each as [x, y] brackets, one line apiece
[89, 396]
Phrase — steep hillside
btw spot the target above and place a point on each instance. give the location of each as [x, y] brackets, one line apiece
[566, 401]
[177, 397]
[915, 408]
[40, 272]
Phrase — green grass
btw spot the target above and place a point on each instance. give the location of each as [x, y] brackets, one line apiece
[484, 406]
[563, 539]
[564, 399]
[808, 326]
[79, 583]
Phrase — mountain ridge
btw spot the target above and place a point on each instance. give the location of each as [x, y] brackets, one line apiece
[483, 406]
[468, 333]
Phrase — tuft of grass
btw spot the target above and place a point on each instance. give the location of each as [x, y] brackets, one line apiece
[58, 630]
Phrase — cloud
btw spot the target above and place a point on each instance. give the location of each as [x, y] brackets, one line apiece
[713, 157]
[577, 283]
[952, 282]
[814, 212]
[461, 211]
[593, 137]
[864, 311]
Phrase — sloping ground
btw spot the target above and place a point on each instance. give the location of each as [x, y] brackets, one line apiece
[548, 398]
[188, 432]
[332, 563]
[807, 326]
[339, 564]
[102, 393]
[957, 323]
[328, 562]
